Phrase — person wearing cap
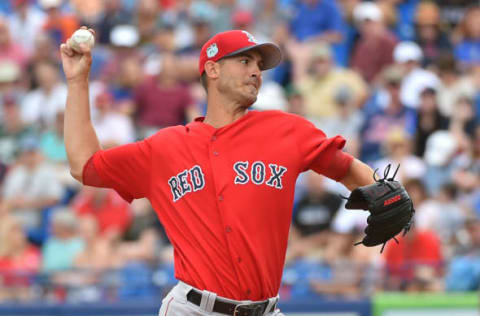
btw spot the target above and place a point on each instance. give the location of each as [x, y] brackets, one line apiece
[433, 41]
[373, 50]
[223, 185]
[322, 80]
[387, 113]
[61, 248]
[409, 56]
[30, 187]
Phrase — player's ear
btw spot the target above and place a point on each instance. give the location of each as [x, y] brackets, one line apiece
[212, 69]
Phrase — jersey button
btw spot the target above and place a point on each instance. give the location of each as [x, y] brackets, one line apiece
[220, 198]
[214, 138]
[248, 292]
[239, 259]
[228, 229]
[215, 153]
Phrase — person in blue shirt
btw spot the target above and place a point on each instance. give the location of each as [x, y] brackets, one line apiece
[312, 21]
[385, 114]
[317, 20]
[467, 51]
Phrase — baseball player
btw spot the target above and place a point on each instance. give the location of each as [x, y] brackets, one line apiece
[222, 185]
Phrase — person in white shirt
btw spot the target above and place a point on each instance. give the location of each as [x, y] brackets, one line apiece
[113, 128]
[409, 56]
[41, 105]
[26, 23]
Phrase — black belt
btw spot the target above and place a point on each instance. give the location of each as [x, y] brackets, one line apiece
[223, 307]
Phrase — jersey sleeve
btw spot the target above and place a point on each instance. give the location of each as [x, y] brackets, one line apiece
[126, 169]
[319, 153]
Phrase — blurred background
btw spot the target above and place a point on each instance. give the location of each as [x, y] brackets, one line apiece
[399, 79]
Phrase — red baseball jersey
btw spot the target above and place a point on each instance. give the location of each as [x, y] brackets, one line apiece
[224, 195]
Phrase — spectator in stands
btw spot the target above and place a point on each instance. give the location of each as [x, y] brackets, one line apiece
[52, 147]
[321, 83]
[347, 120]
[398, 150]
[44, 51]
[430, 36]
[163, 101]
[373, 50]
[146, 19]
[466, 174]
[99, 253]
[202, 31]
[312, 219]
[88, 12]
[61, 249]
[453, 83]
[10, 79]
[463, 119]
[350, 268]
[268, 17]
[113, 214]
[467, 49]
[51, 142]
[386, 117]
[245, 20]
[429, 119]
[59, 25]
[417, 259]
[9, 49]
[129, 76]
[440, 150]
[296, 101]
[27, 21]
[415, 79]
[114, 14]
[444, 216]
[40, 106]
[123, 42]
[113, 128]
[463, 273]
[317, 20]
[12, 129]
[30, 187]
[424, 204]
[19, 260]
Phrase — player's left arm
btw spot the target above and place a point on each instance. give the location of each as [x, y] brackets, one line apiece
[359, 174]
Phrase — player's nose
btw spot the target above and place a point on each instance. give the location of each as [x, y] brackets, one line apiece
[256, 72]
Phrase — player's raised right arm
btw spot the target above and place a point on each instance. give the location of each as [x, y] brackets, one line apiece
[81, 141]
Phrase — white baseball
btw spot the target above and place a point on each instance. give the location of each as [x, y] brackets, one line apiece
[81, 36]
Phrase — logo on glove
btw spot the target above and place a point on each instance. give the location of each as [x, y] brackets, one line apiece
[391, 200]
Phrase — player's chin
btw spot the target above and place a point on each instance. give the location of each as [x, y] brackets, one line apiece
[250, 96]
[250, 99]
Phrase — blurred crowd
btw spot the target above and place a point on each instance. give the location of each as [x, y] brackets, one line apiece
[399, 79]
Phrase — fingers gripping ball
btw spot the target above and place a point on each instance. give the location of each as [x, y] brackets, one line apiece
[81, 36]
[391, 209]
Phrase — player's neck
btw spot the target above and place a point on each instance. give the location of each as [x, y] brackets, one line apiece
[222, 113]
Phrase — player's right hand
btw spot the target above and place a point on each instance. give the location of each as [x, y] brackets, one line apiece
[76, 66]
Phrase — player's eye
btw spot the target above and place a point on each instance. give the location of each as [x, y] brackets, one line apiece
[244, 61]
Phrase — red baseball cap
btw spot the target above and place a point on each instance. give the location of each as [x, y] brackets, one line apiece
[231, 43]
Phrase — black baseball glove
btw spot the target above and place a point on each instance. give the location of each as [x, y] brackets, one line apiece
[391, 209]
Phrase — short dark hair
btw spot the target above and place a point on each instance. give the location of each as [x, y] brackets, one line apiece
[203, 77]
[203, 80]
